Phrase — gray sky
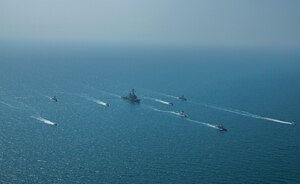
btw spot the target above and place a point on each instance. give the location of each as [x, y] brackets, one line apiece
[200, 22]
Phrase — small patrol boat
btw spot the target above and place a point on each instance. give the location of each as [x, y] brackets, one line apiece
[182, 98]
[182, 114]
[221, 128]
[54, 99]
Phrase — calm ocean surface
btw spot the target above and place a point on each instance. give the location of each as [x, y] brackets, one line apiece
[148, 143]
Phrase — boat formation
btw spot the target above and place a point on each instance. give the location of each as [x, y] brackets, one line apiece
[133, 98]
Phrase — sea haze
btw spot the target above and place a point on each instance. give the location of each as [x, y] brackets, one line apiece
[148, 142]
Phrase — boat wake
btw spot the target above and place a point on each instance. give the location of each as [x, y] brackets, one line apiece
[187, 119]
[8, 105]
[171, 96]
[48, 97]
[101, 102]
[202, 123]
[36, 115]
[245, 113]
[97, 101]
[28, 107]
[236, 111]
[23, 97]
[159, 101]
[163, 111]
[43, 120]
[163, 94]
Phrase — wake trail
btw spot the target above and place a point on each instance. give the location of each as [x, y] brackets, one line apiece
[36, 115]
[163, 111]
[97, 101]
[38, 93]
[100, 102]
[48, 97]
[187, 119]
[23, 97]
[202, 123]
[163, 94]
[245, 113]
[30, 108]
[8, 105]
[171, 96]
[43, 120]
[167, 95]
[159, 101]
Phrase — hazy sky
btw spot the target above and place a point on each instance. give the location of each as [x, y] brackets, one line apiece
[201, 22]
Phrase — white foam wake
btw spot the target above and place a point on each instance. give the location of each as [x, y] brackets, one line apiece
[171, 96]
[239, 112]
[43, 120]
[163, 102]
[188, 119]
[100, 102]
[97, 101]
[49, 97]
[247, 114]
[163, 111]
[167, 95]
[159, 101]
[202, 123]
[163, 94]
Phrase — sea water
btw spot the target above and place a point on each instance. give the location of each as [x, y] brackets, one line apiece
[81, 140]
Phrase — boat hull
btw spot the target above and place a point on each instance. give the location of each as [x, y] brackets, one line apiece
[131, 100]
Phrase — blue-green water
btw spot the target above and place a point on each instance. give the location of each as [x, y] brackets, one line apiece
[126, 143]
